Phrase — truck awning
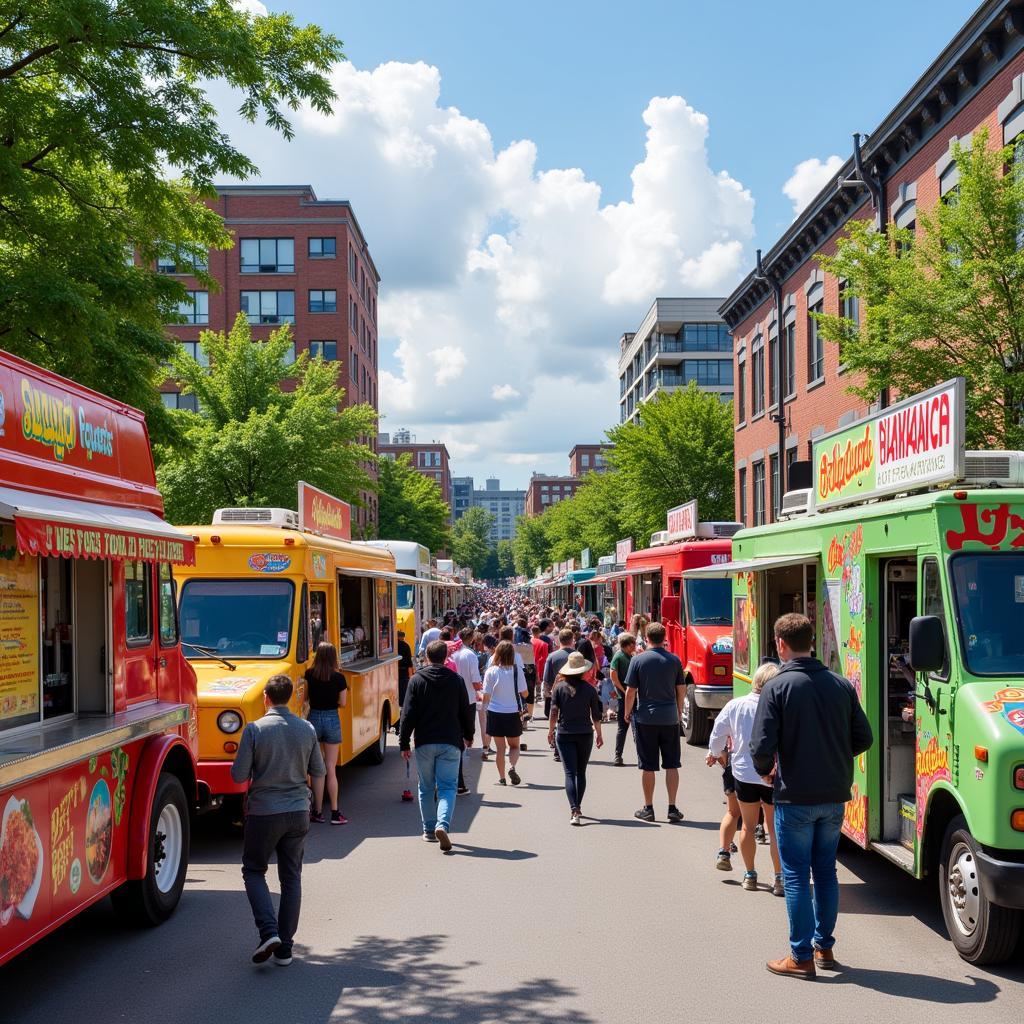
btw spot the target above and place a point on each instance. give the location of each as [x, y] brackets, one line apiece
[381, 574]
[45, 524]
[725, 569]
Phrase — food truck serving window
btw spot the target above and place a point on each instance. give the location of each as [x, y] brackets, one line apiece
[989, 593]
[241, 618]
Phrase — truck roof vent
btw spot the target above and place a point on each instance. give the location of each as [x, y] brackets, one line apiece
[797, 503]
[659, 538]
[1005, 469]
[283, 517]
[717, 531]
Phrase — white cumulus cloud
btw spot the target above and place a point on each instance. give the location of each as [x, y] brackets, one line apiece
[809, 178]
[506, 284]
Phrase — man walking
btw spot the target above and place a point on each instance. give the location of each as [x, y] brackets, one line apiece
[808, 729]
[467, 664]
[405, 667]
[438, 714]
[552, 666]
[619, 669]
[655, 692]
[430, 634]
[275, 754]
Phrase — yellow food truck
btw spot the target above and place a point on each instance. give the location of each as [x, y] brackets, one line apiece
[267, 586]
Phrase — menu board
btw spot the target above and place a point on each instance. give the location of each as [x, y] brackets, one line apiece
[19, 633]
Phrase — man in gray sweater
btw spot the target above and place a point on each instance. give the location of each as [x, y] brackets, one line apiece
[275, 754]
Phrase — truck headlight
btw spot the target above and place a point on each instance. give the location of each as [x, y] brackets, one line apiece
[229, 721]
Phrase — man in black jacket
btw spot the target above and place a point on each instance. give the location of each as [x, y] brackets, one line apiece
[438, 714]
[808, 729]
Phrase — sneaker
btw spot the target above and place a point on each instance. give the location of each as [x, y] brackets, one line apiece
[825, 959]
[750, 881]
[733, 848]
[462, 790]
[485, 755]
[558, 757]
[337, 818]
[779, 889]
[760, 835]
[674, 814]
[645, 813]
[502, 782]
[575, 818]
[723, 861]
[429, 837]
[441, 835]
[317, 817]
[787, 967]
[282, 959]
[619, 762]
[522, 746]
[266, 949]
[514, 777]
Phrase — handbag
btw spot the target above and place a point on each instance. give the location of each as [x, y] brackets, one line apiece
[519, 697]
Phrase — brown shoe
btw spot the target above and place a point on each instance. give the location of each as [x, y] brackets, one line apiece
[825, 959]
[790, 968]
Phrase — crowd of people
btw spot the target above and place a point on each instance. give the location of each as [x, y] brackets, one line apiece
[786, 748]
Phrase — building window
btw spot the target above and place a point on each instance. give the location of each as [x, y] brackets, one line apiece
[267, 255]
[323, 300]
[195, 308]
[195, 350]
[181, 263]
[353, 265]
[776, 496]
[790, 359]
[323, 248]
[757, 377]
[176, 400]
[708, 372]
[706, 338]
[326, 350]
[773, 369]
[743, 495]
[815, 345]
[269, 307]
[741, 399]
[759, 494]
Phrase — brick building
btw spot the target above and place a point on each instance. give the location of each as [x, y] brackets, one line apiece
[588, 458]
[544, 491]
[428, 458]
[906, 163]
[297, 260]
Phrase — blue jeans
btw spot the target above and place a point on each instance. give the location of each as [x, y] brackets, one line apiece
[438, 767]
[808, 836]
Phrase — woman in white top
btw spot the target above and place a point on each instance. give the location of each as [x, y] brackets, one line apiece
[732, 729]
[502, 681]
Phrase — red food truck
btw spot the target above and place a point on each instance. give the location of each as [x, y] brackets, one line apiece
[97, 705]
[697, 617]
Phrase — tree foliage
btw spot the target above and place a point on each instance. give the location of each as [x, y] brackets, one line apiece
[251, 442]
[593, 518]
[470, 543]
[410, 505]
[945, 300]
[97, 100]
[531, 548]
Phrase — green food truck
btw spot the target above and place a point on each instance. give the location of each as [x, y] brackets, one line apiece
[907, 553]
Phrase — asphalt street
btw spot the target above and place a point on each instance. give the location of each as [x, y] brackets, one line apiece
[528, 921]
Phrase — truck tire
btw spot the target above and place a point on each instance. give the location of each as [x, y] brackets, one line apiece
[374, 755]
[696, 722]
[982, 932]
[151, 900]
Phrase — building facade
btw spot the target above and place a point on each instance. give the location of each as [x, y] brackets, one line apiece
[297, 260]
[462, 496]
[430, 459]
[588, 458]
[505, 506]
[679, 340]
[976, 82]
[544, 491]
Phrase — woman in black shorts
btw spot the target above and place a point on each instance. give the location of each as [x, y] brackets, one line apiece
[504, 698]
[731, 819]
[576, 713]
[326, 692]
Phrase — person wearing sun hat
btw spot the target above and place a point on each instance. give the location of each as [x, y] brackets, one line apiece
[575, 718]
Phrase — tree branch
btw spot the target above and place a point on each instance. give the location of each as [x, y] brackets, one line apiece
[38, 54]
[14, 24]
[45, 151]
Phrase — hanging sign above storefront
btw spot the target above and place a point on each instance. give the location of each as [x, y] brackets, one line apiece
[322, 513]
[682, 521]
[916, 443]
[622, 549]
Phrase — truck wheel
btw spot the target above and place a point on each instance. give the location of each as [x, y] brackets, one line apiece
[375, 754]
[151, 900]
[982, 932]
[696, 723]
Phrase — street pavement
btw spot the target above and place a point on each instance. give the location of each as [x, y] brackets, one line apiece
[528, 921]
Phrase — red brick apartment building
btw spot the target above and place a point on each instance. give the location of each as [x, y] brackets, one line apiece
[297, 260]
[545, 491]
[906, 163]
[428, 458]
[588, 458]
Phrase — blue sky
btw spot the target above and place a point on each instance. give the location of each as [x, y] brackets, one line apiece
[526, 194]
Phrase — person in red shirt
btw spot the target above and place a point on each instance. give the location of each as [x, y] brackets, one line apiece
[540, 651]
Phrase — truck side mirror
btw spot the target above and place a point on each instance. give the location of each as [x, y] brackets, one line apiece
[670, 609]
[927, 644]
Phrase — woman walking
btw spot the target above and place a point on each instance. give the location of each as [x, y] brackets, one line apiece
[326, 690]
[575, 719]
[638, 627]
[734, 723]
[504, 697]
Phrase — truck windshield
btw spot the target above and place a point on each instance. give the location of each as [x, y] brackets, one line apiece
[405, 596]
[709, 602]
[237, 618]
[989, 591]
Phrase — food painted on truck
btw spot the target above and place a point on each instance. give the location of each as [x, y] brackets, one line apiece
[269, 562]
[99, 831]
[19, 632]
[21, 861]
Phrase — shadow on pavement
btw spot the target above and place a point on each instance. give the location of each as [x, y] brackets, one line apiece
[925, 987]
[491, 854]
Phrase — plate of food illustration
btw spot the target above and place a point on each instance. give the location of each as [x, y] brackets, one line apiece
[21, 861]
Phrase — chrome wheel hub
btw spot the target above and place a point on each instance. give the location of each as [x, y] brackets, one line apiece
[963, 888]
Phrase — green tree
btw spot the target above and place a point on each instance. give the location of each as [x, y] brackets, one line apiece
[681, 449]
[410, 505]
[943, 301]
[251, 442]
[506, 560]
[530, 547]
[593, 518]
[97, 101]
[470, 543]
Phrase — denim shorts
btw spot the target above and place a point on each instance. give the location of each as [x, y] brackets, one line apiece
[327, 725]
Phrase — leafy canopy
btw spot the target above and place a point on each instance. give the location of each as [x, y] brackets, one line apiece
[531, 548]
[410, 505]
[470, 539]
[251, 442]
[946, 300]
[97, 100]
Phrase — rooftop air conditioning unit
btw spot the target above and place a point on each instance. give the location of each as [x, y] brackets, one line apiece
[797, 503]
[717, 531]
[659, 538]
[283, 517]
[1004, 469]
